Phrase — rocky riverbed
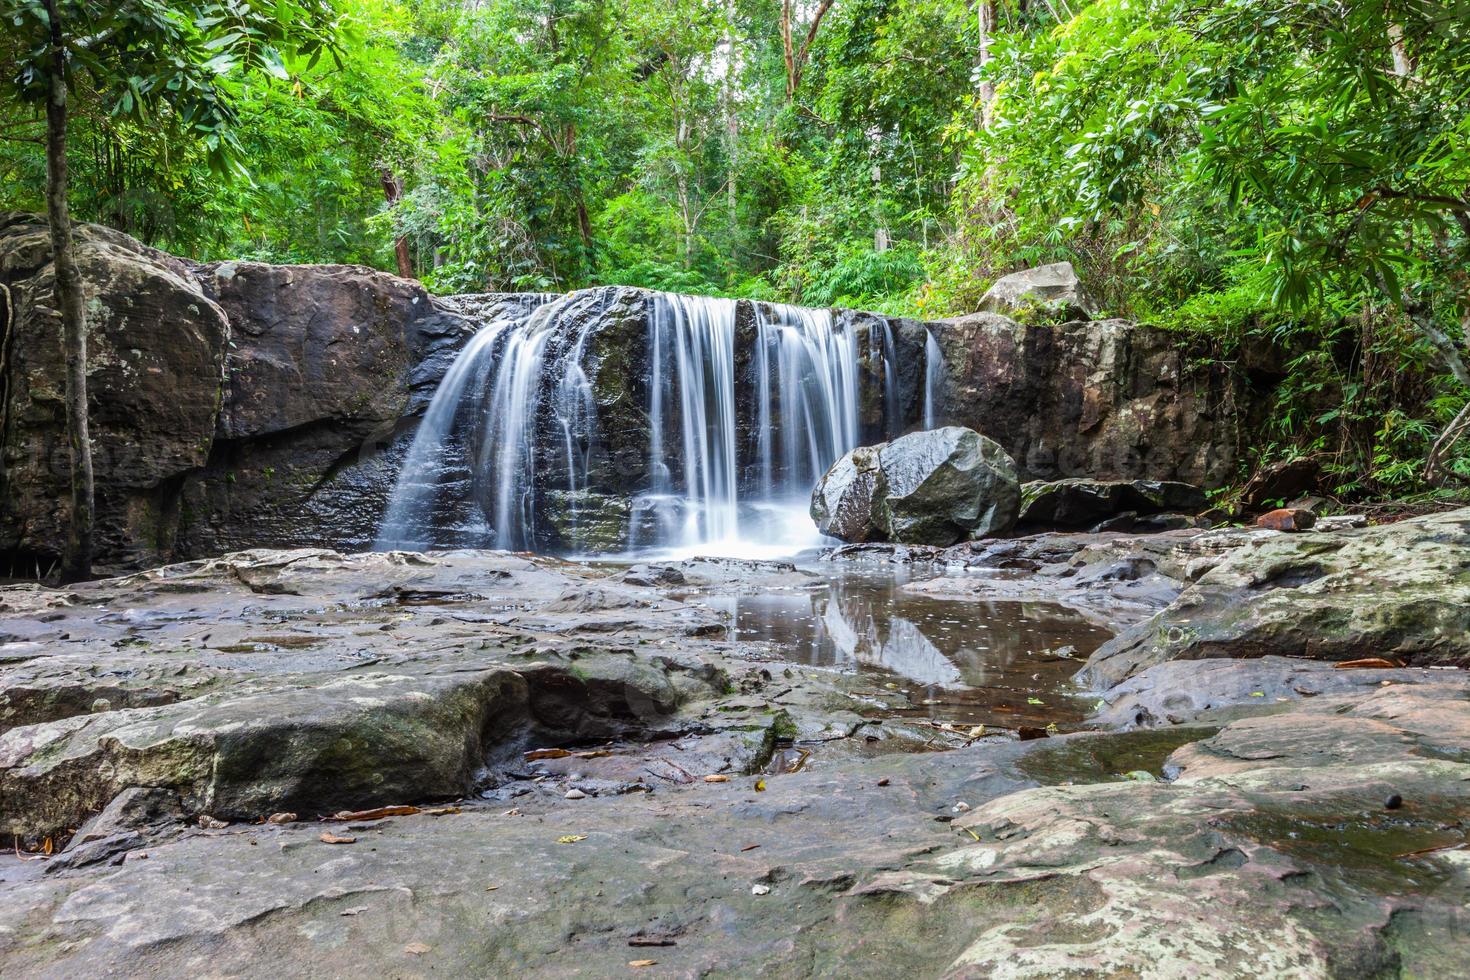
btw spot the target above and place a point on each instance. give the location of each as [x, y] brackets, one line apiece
[737, 768]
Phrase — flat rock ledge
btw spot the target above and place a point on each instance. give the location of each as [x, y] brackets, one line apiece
[1400, 591]
[1232, 816]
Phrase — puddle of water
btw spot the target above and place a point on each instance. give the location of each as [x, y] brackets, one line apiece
[990, 663]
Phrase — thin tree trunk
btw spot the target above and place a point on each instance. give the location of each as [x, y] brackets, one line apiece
[986, 16]
[393, 193]
[788, 53]
[1453, 433]
[1403, 64]
[796, 56]
[732, 124]
[77, 562]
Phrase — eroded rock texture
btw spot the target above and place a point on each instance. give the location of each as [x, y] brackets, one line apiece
[1271, 817]
[1399, 590]
[1108, 399]
[157, 348]
[243, 405]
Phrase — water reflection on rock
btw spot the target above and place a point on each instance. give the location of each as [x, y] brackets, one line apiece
[1003, 662]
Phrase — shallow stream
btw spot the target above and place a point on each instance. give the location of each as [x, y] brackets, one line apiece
[1006, 664]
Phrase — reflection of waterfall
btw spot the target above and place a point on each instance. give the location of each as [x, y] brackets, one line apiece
[860, 634]
[933, 378]
[633, 420]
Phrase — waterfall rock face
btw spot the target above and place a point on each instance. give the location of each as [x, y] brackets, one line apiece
[1104, 399]
[935, 487]
[156, 374]
[242, 405]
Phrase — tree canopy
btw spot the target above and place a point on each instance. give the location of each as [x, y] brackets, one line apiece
[1288, 171]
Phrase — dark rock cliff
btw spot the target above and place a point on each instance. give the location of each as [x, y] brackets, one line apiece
[241, 404]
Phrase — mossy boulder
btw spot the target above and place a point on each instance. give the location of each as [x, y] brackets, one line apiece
[1400, 591]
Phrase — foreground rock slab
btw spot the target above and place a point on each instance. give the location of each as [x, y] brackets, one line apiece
[1399, 590]
[186, 737]
[311, 681]
[976, 862]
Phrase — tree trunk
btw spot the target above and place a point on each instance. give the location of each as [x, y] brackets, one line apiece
[795, 55]
[986, 12]
[77, 562]
[732, 124]
[393, 193]
[1403, 64]
[788, 52]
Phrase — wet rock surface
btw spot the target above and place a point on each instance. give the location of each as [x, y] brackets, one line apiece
[242, 405]
[930, 488]
[1081, 503]
[593, 769]
[1399, 590]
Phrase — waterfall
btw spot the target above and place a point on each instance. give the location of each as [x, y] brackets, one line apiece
[695, 337]
[813, 418]
[933, 378]
[430, 460]
[631, 421]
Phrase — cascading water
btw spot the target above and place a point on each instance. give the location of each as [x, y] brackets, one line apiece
[691, 345]
[933, 378]
[811, 417]
[621, 420]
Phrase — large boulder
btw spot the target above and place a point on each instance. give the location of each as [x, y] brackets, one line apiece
[1053, 287]
[156, 364]
[933, 488]
[1081, 502]
[842, 503]
[946, 485]
[1398, 591]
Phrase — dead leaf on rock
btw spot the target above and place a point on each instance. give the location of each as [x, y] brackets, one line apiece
[760, 785]
[571, 838]
[281, 818]
[210, 823]
[536, 755]
[441, 811]
[334, 839]
[376, 813]
[1368, 663]
[716, 778]
[640, 964]
[749, 847]
[416, 949]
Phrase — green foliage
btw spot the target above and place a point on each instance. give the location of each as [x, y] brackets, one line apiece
[163, 64]
[1284, 181]
[866, 278]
